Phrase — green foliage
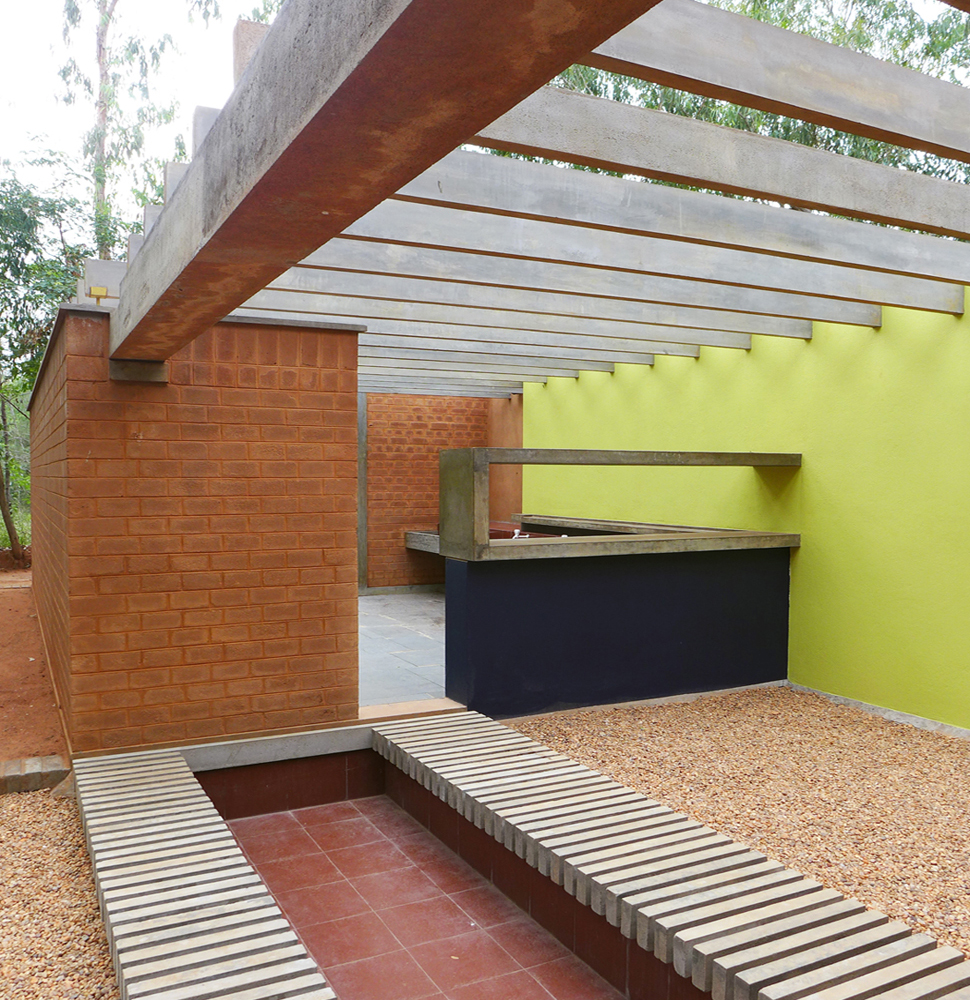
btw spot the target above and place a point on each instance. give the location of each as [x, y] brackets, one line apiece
[124, 111]
[266, 11]
[888, 29]
[41, 254]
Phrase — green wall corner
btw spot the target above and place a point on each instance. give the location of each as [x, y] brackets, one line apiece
[880, 599]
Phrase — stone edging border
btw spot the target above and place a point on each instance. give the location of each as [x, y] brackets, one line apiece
[32, 774]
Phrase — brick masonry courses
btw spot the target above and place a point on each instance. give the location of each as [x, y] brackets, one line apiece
[195, 554]
[404, 436]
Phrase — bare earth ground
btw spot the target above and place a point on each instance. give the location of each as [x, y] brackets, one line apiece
[876, 809]
[29, 723]
[52, 941]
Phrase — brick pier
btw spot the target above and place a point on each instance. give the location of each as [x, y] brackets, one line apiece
[195, 560]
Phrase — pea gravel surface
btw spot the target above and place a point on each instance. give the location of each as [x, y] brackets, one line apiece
[52, 940]
[876, 809]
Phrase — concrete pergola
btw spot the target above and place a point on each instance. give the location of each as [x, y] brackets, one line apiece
[332, 189]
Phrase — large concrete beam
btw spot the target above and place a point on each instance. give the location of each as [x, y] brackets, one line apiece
[343, 103]
[459, 334]
[497, 318]
[503, 186]
[620, 137]
[342, 258]
[331, 285]
[691, 46]
[444, 228]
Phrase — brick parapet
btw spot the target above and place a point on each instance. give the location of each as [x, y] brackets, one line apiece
[211, 537]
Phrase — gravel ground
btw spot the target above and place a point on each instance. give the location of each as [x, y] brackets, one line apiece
[876, 809]
[52, 940]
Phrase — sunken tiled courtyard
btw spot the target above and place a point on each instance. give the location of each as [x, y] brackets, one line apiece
[388, 911]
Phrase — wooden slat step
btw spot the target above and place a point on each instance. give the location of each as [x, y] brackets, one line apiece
[187, 916]
[740, 925]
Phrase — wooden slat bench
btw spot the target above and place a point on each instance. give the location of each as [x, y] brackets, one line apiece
[737, 924]
[187, 917]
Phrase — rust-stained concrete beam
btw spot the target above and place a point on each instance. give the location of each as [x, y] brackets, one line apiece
[343, 103]
[692, 46]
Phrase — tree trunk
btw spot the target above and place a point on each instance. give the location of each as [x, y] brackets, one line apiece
[16, 549]
[102, 210]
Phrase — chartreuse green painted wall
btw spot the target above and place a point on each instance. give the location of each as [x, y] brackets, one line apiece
[880, 599]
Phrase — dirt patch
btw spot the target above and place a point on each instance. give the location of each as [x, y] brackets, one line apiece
[876, 809]
[29, 723]
[7, 560]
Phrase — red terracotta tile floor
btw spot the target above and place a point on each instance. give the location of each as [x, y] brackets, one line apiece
[389, 913]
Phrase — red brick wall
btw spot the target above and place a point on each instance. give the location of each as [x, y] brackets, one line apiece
[404, 436]
[49, 500]
[212, 537]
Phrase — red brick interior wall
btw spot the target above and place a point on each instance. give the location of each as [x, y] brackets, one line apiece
[49, 500]
[211, 533]
[404, 436]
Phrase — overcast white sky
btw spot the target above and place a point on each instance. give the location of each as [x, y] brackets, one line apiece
[200, 73]
[32, 117]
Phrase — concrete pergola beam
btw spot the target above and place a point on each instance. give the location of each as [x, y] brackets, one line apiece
[499, 185]
[446, 380]
[691, 46]
[478, 299]
[445, 228]
[373, 345]
[343, 103]
[388, 356]
[407, 389]
[657, 340]
[375, 310]
[609, 135]
[464, 369]
[380, 261]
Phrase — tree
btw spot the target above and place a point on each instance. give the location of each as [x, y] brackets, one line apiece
[41, 258]
[888, 29]
[265, 13]
[123, 70]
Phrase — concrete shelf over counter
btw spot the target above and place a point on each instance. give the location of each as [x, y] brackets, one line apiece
[651, 610]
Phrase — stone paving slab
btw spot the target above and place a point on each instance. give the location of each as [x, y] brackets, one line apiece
[187, 916]
[740, 925]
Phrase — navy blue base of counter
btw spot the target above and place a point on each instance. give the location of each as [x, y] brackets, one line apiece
[534, 635]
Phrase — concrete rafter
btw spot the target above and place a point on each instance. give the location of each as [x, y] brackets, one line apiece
[656, 340]
[445, 228]
[456, 270]
[376, 311]
[482, 301]
[498, 185]
[691, 46]
[373, 345]
[609, 135]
